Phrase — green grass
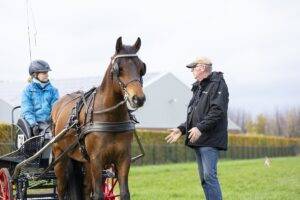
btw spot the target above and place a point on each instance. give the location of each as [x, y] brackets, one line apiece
[240, 179]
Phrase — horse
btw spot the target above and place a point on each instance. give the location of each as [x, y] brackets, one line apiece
[121, 89]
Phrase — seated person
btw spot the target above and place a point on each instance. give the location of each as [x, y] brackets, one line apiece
[38, 98]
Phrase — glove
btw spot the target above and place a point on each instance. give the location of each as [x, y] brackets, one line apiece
[35, 129]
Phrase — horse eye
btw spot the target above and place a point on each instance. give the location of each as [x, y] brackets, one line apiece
[143, 71]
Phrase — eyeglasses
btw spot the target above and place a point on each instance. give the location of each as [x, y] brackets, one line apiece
[198, 65]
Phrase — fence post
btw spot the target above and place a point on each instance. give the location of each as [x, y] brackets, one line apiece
[185, 156]
[165, 153]
[153, 154]
[176, 156]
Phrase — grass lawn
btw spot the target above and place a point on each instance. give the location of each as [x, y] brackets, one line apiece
[240, 179]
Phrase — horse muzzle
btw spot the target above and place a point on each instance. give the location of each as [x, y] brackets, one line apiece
[136, 102]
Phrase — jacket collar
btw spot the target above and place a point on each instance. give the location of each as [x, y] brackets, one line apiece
[40, 85]
[199, 84]
[213, 77]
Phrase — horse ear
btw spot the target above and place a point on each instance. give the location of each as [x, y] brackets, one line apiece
[137, 44]
[119, 45]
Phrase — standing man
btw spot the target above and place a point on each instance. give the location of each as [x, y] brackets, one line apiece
[206, 124]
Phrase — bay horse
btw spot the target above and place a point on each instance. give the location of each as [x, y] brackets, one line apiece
[121, 89]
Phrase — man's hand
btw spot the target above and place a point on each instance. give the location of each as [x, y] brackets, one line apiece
[194, 134]
[173, 136]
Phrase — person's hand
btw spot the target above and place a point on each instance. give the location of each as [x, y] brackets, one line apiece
[194, 134]
[173, 136]
[35, 129]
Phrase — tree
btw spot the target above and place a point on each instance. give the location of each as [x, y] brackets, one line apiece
[241, 118]
[261, 124]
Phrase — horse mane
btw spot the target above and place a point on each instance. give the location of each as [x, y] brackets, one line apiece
[126, 49]
[106, 77]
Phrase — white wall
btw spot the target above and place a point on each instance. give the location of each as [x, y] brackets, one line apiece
[166, 103]
[5, 112]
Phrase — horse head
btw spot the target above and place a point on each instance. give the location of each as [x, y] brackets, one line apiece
[127, 70]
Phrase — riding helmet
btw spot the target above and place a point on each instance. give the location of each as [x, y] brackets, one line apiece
[38, 66]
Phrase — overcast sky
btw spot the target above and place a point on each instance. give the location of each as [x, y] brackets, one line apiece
[255, 43]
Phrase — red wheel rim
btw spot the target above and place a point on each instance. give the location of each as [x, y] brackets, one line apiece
[108, 189]
[5, 185]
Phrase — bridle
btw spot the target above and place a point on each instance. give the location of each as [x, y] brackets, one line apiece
[116, 74]
[116, 70]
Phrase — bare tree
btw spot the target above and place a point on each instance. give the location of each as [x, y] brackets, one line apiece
[280, 122]
[240, 117]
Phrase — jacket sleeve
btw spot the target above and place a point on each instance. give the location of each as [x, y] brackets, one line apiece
[27, 108]
[55, 97]
[217, 107]
[182, 128]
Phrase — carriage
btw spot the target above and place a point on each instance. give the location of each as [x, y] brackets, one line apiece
[91, 144]
[91, 140]
[27, 172]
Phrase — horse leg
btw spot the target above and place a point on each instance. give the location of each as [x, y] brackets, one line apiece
[123, 170]
[87, 182]
[61, 176]
[96, 177]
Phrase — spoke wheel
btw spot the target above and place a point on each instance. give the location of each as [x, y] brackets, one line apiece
[108, 189]
[6, 191]
[109, 185]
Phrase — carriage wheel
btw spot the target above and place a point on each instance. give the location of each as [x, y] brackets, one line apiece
[108, 189]
[109, 183]
[6, 191]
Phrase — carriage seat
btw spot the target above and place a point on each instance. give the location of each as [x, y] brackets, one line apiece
[34, 144]
[25, 127]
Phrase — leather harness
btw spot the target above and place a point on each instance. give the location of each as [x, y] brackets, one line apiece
[87, 100]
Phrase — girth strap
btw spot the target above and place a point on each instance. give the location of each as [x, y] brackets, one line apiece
[108, 127]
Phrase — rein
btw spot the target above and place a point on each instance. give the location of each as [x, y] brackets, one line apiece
[111, 108]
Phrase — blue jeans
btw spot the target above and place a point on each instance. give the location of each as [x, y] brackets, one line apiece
[207, 159]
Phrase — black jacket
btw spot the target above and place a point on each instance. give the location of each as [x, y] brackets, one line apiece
[207, 111]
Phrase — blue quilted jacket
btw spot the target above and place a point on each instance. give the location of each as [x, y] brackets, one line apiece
[37, 101]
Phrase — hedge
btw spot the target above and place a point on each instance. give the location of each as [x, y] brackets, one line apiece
[155, 145]
[249, 140]
[5, 138]
[157, 137]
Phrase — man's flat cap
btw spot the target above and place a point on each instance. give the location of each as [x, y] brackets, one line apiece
[201, 61]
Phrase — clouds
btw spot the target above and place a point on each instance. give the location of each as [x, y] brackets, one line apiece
[255, 43]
